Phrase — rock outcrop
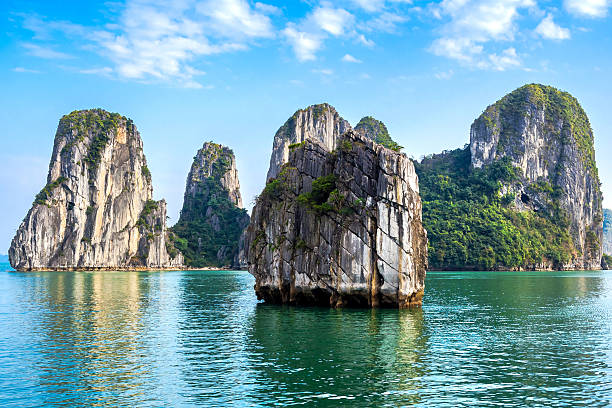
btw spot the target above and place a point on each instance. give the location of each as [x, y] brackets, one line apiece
[97, 209]
[338, 224]
[212, 219]
[317, 122]
[547, 135]
[376, 130]
[607, 232]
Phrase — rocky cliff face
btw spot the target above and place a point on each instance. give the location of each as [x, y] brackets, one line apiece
[339, 225]
[96, 210]
[212, 219]
[607, 232]
[546, 134]
[317, 122]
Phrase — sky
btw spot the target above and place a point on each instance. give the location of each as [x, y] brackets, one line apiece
[232, 72]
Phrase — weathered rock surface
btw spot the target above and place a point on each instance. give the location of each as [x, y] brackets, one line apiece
[340, 225]
[317, 122]
[547, 135]
[212, 219]
[96, 211]
[607, 232]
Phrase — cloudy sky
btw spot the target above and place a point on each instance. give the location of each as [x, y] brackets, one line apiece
[232, 71]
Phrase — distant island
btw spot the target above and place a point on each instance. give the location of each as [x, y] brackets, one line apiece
[4, 258]
[523, 194]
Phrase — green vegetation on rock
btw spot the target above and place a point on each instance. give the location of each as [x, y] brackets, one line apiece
[149, 207]
[97, 124]
[472, 225]
[377, 131]
[45, 193]
[563, 115]
[209, 229]
[323, 195]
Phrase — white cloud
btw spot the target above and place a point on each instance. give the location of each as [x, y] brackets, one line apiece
[462, 49]
[105, 71]
[376, 5]
[370, 5]
[473, 25]
[324, 71]
[45, 52]
[507, 59]
[588, 8]
[304, 44]
[307, 37]
[350, 58]
[332, 20]
[385, 22]
[550, 30]
[268, 8]
[444, 75]
[25, 70]
[235, 19]
[157, 40]
[363, 40]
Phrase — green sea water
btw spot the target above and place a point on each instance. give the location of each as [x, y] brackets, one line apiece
[173, 339]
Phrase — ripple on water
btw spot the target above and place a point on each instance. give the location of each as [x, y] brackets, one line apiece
[201, 338]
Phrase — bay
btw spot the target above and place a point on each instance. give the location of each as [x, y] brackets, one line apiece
[202, 339]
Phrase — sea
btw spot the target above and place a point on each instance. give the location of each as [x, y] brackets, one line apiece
[188, 338]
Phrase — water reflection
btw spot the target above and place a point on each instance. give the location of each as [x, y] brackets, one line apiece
[90, 332]
[336, 356]
[191, 338]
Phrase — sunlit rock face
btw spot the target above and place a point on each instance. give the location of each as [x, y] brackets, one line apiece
[317, 122]
[339, 224]
[96, 210]
[547, 135]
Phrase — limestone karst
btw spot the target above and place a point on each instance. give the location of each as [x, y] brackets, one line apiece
[339, 221]
[96, 210]
[525, 192]
[212, 219]
[317, 122]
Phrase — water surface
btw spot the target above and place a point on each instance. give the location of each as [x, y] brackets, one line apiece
[201, 339]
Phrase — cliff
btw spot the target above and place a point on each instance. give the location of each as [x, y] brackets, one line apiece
[212, 219]
[317, 122]
[339, 225]
[97, 209]
[525, 193]
[607, 232]
[547, 135]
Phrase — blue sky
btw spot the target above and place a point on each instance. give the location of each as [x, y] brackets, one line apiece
[232, 71]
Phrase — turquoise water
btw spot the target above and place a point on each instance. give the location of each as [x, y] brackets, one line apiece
[200, 338]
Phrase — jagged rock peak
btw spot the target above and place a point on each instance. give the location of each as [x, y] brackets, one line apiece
[547, 135]
[340, 228]
[216, 161]
[317, 122]
[212, 219]
[376, 130]
[97, 209]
